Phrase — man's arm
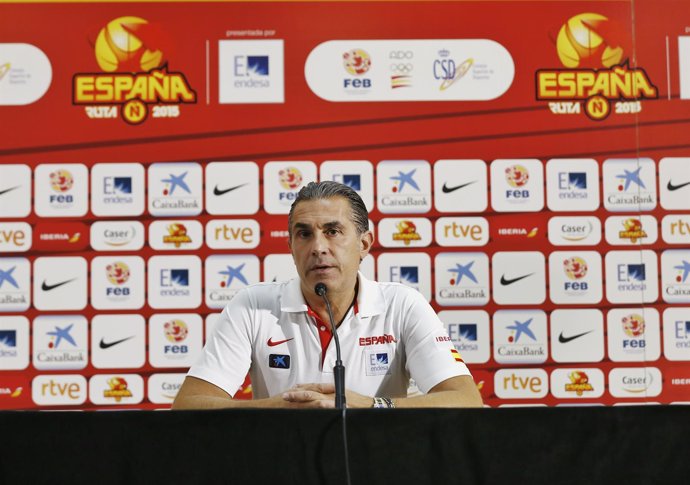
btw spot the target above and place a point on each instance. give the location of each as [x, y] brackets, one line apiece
[454, 392]
[199, 394]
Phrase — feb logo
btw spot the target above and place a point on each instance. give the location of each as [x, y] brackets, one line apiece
[356, 62]
[517, 176]
[633, 325]
[132, 54]
[290, 178]
[61, 181]
[117, 273]
[590, 46]
[175, 331]
[575, 269]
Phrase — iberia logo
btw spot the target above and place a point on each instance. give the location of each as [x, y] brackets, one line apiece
[597, 71]
[131, 52]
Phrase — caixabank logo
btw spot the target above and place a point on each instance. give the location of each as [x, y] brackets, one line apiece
[132, 52]
[596, 77]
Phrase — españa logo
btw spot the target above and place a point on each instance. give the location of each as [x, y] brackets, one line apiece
[590, 47]
[131, 52]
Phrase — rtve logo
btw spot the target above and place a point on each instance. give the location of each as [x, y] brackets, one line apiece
[521, 383]
[15, 237]
[53, 390]
[233, 234]
[462, 231]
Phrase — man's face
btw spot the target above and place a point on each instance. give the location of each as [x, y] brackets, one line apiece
[325, 245]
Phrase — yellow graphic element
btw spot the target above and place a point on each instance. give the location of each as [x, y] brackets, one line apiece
[75, 237]
[175, 330]
[118, 389]
[533, 232]
[4, 69]
[460, 72]
[17, 392]
[633, 230]
[580, 41]
[177, 235]
[407, 231]
[290, 178]
[480, 385]
[117, 44]
[579, 383]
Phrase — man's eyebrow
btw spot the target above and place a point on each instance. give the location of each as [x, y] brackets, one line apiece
[301, 225]
[333, 225]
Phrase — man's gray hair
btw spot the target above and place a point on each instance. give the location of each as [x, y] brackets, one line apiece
[328, 189]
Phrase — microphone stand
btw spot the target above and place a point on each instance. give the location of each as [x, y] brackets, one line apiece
[338, 369]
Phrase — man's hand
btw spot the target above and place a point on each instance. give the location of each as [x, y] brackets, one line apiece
[322, 396]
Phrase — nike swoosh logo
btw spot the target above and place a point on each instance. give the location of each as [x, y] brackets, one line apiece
[506, 282]
[46, 287]
[14, 188]
[104, 345]
[672, 187]
[448, 190]
[271, 343]
[565, 340]
[217, 191]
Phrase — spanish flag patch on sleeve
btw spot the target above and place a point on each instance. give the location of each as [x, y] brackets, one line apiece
[456, 355]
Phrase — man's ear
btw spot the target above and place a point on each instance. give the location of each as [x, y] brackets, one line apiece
[365, 242]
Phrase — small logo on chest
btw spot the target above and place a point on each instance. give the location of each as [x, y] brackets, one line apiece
[279, 361]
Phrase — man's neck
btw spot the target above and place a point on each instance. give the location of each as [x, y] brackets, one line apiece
[340, 305]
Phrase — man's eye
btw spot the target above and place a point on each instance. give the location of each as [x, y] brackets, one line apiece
[303, 234]
[332, 232]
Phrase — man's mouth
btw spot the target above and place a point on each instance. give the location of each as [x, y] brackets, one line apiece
[321, 267]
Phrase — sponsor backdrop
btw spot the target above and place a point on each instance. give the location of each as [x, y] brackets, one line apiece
[526, 164]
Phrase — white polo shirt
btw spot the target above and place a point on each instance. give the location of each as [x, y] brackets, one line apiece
[266, 330]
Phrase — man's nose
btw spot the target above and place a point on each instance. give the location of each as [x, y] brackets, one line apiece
[319, 244]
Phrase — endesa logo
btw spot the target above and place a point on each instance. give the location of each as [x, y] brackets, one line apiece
[590, 47]
[131, 52]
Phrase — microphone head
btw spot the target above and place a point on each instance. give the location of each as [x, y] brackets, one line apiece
[320, 289]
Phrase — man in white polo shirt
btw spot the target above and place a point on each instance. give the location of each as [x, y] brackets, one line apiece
[280, 332]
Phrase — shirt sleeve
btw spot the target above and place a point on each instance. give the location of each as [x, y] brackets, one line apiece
[431, 356]
[226, 357]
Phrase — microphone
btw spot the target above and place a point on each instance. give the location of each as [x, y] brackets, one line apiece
[338, 370]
